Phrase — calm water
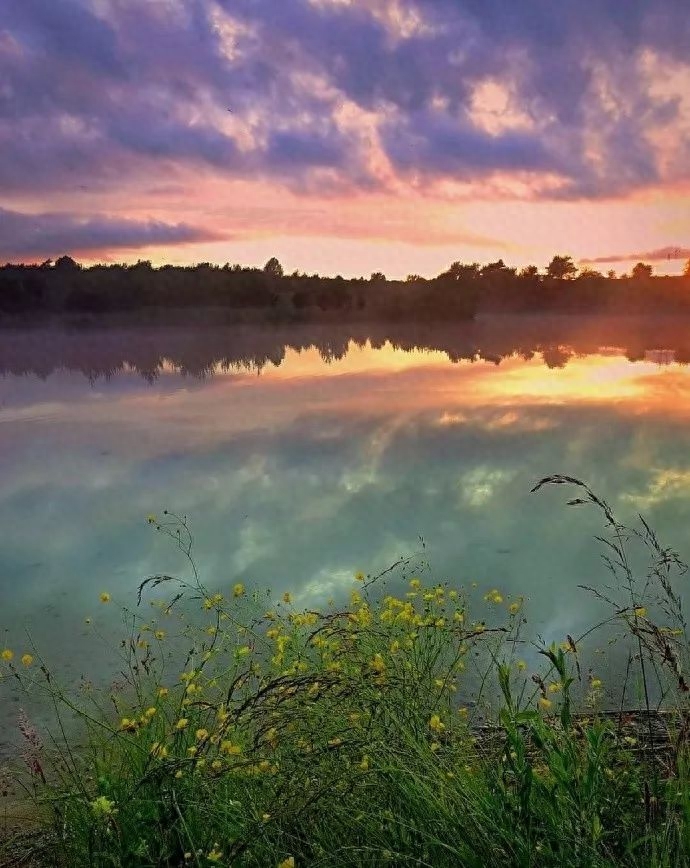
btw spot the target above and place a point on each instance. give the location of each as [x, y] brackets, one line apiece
[303, 455]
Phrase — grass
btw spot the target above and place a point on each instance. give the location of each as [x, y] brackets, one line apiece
[394, 730]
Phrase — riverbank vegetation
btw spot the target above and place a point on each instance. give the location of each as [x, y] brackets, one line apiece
[413, 723]
[65, 287]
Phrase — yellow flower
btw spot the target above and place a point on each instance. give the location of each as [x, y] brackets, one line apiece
[640, 612]
[179, 774]
[181, 723]
[463, 712]
[216, 765]
[415, 584]
[364, 764]
[521, 665]
[102, 807]
[159, 634]
[514, 608]
[493, 597]
[163, 691]
[238, 590]
[151, 518]
[287, 863]
[265, 817]
[214, 855]
[104, 597]
[335, 742]
[359, 577]
[7, 655]
[555, 687]
[150, 712]
[545, 703]
[287, 597]
[27, 659]
[158, 750]
[436, 724]
[595, 683]
[201, 734]
[230, 749]
[128, 725]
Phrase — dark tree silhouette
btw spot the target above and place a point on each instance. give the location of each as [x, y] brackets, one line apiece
[561, 268]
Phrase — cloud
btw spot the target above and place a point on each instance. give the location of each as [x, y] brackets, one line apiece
[47, 235]
[106, 93]
[661, 253]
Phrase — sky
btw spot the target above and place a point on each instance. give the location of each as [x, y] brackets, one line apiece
[346, 136]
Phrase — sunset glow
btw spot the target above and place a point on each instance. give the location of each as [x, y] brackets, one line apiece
[345, 136]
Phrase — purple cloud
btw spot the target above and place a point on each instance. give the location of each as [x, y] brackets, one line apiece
[48, 235]
[661, 253]
[97, 92]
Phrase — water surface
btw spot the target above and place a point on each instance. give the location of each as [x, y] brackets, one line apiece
[301, 455]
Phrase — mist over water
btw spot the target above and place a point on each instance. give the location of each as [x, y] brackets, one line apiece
[302, 455]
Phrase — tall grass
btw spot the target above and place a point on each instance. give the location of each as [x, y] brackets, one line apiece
[394, 730]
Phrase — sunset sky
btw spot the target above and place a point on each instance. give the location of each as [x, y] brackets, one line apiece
[346, 136]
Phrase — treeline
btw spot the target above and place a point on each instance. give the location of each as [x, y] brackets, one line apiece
[459, 292]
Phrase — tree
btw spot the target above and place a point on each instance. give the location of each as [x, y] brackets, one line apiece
[66, 264]
[378, 277]
[529, 271]
[273, 268]
[561, 268]
[642, 271]
[611, 274]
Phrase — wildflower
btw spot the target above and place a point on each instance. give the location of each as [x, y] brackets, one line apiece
[160, 635]
[104, 597]
[243, 651]
[355, 598]
[463, 712]
[287, 863]
[151, 518]
[364, 764]
[493, 597]
[640, 611]
[238, 590]
[595, 683]
[158, 750]
[265, 817]
[201, 734]
[545, 703]
[287, 597]
[434, 746]
[179, 774]
[216, 765]
[555, 687]
[181, 724]
[163, 691]
[436, 724]
[459, 616]
[102, 807]
[359, 577]
[27, 659]
[128, 725]
[193, 750]
[150, 712]
[214, 855]
[521, 665]
[514, 608]
[7, 655]
[335, 742]
[395, 646]
[230, 749]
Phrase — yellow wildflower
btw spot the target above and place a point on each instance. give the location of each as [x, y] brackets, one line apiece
[287, 597]
[201, 734]
[595, 683]
[521, 665]
[230, 749]
[150, 712]
[216, 765]
[151, 518]
[214, 855]
[287, 863]
[436, 724]
[181, 723]
[364, 764]
[27, 659]
[514, 608]
[104, 597]
[545, 703]
[359, 577]
[378, 664]
[555, 687]
[238, 590]
[158, 750]
[159, 634]
[640, 611]
[163, 691]
[7, 655]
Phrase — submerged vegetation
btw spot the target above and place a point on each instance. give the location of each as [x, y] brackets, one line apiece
[459, 292]
[404, 727]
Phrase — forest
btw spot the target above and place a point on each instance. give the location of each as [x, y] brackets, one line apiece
[64, 286]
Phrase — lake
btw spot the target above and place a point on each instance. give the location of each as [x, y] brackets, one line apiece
[303, 454]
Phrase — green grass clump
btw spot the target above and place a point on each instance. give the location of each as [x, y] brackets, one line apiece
[395, 730]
